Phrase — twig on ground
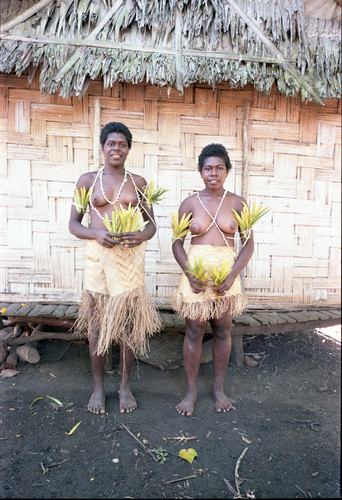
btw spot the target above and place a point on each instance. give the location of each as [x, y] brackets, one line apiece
[235, 493]
[141, 444]
[237, 470]
[300, 489]
[311, 423]
[180, 438]
[181, 479]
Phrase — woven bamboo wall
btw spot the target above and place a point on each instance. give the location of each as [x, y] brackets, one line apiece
[289, 151]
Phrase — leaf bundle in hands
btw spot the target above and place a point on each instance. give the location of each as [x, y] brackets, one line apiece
[198, 270]
[124, 220]
[218, 275]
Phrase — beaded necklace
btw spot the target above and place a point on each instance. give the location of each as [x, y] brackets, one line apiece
[99, 176]
[213, 221]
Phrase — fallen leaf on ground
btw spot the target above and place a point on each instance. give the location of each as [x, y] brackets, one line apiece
[9, 373]
[40, 397]
[55, 400]
[73, 429]
[188, 454]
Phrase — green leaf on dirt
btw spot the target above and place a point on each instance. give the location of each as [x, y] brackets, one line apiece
[55, 400]
[40, 397]
[73, 429]
[188, 454]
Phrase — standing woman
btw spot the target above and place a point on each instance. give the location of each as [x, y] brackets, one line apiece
[115, 307]
[212, 229]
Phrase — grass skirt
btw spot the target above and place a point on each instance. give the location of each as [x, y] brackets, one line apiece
[115, 302]
[207, 305]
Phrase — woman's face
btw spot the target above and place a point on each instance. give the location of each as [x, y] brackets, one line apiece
[115, 149]
[214, 172]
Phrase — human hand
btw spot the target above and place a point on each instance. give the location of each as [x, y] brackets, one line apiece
[105, 238]
[132, 240]
[225, 285]
[197, 286]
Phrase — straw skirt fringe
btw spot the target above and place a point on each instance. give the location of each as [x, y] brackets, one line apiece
[207, 305]
[115, 302]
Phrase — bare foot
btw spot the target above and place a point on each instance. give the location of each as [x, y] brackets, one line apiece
[97, 402]
[187, 405]
[221, 402]
[127, 401]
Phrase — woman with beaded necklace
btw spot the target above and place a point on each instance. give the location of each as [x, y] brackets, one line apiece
[115, 307]
[212, 229]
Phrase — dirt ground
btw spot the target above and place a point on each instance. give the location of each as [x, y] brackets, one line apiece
[280, 440]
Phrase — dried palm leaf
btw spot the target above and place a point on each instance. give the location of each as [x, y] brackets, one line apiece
[180, 228]
[152, 194]
[81, 199]
[248, 218]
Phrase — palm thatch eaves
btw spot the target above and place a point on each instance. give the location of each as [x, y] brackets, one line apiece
[173, 43]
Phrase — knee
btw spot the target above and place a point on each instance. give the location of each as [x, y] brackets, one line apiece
[221, 332]
[195, 332]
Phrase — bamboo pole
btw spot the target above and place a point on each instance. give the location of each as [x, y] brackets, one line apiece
[178, 48]
[270, 45]
[96, 136]
[146, 48]
[25, 15]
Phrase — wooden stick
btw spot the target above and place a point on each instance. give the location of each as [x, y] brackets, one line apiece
[40, 336]
[237, 470]
[25, 15]
[146, 48]
[180, 479]
[141, 444]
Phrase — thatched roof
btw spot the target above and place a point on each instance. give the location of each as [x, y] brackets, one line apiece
[294, 44]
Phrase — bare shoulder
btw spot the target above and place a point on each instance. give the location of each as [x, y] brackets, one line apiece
[139, 181]
[187, 205]
[86, 179]
[236, 201]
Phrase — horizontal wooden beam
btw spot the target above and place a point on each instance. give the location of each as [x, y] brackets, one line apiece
[146, 49]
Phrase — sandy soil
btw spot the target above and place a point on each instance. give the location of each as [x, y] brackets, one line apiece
[285, 419]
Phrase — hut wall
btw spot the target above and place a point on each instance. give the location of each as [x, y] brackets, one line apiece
[288, 150]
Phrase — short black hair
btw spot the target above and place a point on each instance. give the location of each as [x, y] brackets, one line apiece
[115, 127]
[214, 150]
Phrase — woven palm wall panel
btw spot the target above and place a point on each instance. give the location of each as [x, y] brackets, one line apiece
[285, 153]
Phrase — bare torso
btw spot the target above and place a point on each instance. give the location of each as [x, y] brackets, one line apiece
[201, 220]
[113, 185]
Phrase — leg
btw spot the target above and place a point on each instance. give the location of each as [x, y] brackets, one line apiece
[97, 400]
[192, 350]
[221, 353]
[127, 401]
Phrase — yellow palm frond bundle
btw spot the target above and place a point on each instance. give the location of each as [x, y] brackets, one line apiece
[248, 218]
[198, 270]
[180, 228]
[124, 220]
[218, 275]
[152, 194]
[81, 199]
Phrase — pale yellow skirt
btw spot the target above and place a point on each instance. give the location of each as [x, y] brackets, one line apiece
[207, 305]
[115, 301]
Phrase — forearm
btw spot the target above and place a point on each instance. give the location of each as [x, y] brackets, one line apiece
[243, 258]
[180, 254]
[149, 230]
[82, 232]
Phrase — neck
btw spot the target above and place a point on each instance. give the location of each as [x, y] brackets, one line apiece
[213, 192]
